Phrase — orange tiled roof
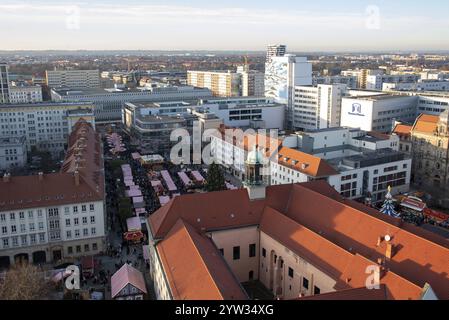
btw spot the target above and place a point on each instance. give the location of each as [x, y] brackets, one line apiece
[426, 123]
[351, 294]
[197, 271]
[402, 129]
[305, 163]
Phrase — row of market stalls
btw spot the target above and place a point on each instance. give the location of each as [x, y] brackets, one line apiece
[134, 225]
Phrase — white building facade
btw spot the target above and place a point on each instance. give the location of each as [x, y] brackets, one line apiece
[13, 152]
[317, 107]
[25, 94]
[377, 112]
[44, 125]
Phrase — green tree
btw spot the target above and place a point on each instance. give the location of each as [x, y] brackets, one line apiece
[215, 179]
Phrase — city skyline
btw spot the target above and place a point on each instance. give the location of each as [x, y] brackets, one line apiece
[153, 25]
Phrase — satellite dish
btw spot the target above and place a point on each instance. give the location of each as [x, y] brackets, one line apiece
[387, 238]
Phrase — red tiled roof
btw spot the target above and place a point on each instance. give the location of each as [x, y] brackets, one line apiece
[351, 294]
[418, 256]
[197, 271]
[305, 163]
[60, 188]
[230, 208]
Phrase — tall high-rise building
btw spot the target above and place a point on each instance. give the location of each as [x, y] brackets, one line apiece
[276, 50]
[317, 107]
[282, 75]
[4, 83]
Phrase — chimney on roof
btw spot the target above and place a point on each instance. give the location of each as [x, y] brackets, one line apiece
[76, 174]
[6, 177]
[41, 176]
[379, 240]
[389, 252]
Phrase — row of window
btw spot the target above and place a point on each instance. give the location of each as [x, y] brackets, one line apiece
[93, 231]
[236, 251]
[23, 229]
[86, 248]
[33, 239]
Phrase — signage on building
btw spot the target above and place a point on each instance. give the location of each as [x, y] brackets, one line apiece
[356, 110]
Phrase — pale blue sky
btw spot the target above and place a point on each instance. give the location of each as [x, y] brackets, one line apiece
[225, 25]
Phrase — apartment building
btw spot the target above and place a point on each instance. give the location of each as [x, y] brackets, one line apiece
[375, 82]
[275, 50]
[45, 125]
[13, 152]
[51, 217]
[73, 79]
[220, 83]
[252, 82]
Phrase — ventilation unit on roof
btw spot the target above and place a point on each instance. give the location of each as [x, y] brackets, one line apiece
[387, 238]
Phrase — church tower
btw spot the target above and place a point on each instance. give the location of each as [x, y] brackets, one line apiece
[253, 174]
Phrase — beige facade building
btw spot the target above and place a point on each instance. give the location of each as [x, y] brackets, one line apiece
[430, 139]
[221, 83]
[73, 79]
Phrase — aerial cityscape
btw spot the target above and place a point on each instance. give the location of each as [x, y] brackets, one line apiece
[228, 160]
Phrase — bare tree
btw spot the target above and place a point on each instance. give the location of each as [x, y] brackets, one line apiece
[23, 282]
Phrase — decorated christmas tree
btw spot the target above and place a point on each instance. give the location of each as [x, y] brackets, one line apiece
[388, 206]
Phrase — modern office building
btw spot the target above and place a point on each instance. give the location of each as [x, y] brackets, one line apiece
[220, 83]
[50, 217]
[108, 103]
[276, 50]
[25, 94]
[73, 79]
[317, 107]
[282, 75]
[301, 241]
[150, 125]
[4, 83]
[44, 125]
[13, 152]
[378, 112]
[243, 112]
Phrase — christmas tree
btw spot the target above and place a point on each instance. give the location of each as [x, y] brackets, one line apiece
[388, 206]
[215, 179]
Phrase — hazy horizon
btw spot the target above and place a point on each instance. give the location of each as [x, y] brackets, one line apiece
[199, 25]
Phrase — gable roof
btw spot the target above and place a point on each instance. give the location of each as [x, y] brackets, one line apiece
[198, 271]
[308, 164]
[124, 276]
